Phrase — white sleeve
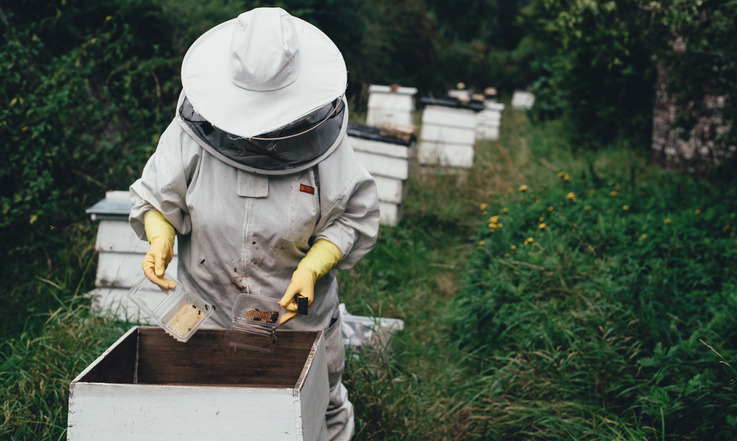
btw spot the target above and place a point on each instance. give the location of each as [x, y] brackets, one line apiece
[163, 183]
[349, 206]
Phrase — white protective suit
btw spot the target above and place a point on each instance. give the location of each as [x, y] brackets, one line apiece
[240, 231]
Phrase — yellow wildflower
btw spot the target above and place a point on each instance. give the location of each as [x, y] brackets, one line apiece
[523, 188]
[564, 176]
[697, 212]
[542, 226]
[550, 208]
[625, 207]
[481, 242]
[513, 247]
[529, 240]
[483, 206]
[494, 219]
[613, 194]
[571, 196]
[505, 211]
[643, 236]
[587, 208]
[667, 221]
[542, 218]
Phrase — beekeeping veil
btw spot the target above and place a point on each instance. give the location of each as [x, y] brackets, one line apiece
[264, 92]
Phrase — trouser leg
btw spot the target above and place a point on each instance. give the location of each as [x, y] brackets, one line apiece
[339, 415]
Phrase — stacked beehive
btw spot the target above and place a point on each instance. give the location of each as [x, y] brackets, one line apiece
[390, 104]
[448, 132]
[489, 120]
[522, 100]
[389, 160]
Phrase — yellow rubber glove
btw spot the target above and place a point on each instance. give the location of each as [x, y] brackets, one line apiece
[318, 261]
[161, 236]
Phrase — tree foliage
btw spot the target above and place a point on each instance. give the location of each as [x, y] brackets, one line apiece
[596, 61]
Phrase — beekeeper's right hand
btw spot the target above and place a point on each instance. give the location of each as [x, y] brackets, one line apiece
[160, 234]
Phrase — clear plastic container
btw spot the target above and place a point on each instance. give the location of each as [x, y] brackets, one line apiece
[178, 312]
[254, 322]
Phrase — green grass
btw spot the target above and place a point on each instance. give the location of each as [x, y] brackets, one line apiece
[611, 324]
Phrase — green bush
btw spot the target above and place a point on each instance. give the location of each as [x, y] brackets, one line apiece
[82, 110]
[596, 63]
[598, 293]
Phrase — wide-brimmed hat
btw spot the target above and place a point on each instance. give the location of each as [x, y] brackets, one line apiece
[261, 71]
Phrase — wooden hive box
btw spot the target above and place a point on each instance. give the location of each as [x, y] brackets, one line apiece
[147, 386]
[389, 160]
[522, 100]
[390, 104]
[489, 121]
[448, 133]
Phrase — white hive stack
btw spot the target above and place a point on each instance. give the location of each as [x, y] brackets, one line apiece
[448, 133]
[489, 120]
[522, 100]
[390, 104]
[389, 160]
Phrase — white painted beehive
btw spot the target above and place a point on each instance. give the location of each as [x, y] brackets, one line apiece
[390, 104]
[522, 100]
[389, 160]
[447, 134]
[147, 386]
[489, 121]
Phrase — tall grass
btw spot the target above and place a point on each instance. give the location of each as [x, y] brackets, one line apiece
[610, 323]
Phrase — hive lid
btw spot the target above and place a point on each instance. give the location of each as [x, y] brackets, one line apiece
[116, 205]
[374, 134]
[451, 102]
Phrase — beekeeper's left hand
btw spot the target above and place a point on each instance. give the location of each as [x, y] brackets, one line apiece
[318, 261]
[161, 235]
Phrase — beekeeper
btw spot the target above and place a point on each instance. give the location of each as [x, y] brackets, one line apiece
[256, 178]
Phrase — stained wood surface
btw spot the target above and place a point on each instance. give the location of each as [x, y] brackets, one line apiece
[118, 365]
[206, 359]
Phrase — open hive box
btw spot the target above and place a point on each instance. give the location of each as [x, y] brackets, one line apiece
[149, 386]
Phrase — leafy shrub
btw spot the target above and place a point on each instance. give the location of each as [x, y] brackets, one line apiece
[78, 121]
[596, 62]
[83, 108]
[598, 293]
[593, 67]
